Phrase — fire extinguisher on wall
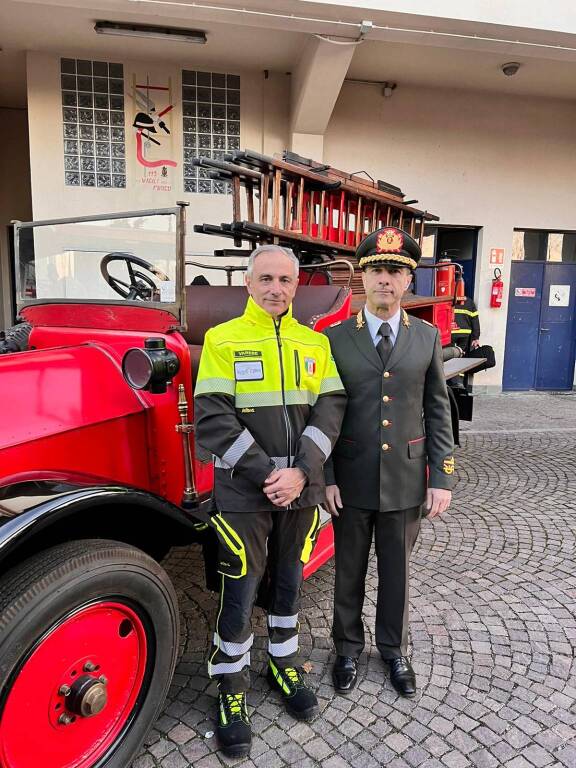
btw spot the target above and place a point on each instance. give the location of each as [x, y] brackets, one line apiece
[497, 292]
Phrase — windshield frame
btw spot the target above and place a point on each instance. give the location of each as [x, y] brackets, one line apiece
[177, 309]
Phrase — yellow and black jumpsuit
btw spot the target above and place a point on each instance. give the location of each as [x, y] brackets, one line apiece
[468, 322]
[268, 396]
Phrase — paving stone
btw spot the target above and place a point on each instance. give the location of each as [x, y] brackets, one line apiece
[493, 627]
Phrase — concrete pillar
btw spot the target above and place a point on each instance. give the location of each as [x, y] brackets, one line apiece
[316, 84]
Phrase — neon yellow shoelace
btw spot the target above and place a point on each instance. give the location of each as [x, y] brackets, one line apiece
[292, 675]
[234, 702]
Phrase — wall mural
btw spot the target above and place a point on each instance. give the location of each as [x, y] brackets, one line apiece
[152, 111]
[93, 123]
[93, 113]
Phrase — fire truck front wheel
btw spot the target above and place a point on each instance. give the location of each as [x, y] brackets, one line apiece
[88, 644]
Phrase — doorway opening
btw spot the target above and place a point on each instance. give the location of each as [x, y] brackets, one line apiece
[458, 243]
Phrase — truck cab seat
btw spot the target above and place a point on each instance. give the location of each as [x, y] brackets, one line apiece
[210, 305]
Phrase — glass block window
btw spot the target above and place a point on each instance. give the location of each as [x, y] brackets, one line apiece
[211, 123]
[93, 123]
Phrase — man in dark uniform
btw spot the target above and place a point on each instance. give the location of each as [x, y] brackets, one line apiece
[396, 431]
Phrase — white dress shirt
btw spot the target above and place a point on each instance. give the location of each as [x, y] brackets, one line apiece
[375, 322]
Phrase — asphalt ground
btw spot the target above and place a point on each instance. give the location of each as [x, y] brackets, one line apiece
[493, 626]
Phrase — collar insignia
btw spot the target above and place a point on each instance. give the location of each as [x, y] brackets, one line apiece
[405, 319]
[360, 323]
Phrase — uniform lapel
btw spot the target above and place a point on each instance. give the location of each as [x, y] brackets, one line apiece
[403, 341]
[361, 337]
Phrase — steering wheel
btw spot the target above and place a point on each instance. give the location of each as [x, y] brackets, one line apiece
[140, 286]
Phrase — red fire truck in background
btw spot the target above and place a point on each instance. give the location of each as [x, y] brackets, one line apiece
[99, 472]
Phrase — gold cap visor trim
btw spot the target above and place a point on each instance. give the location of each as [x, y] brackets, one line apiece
[384, 257]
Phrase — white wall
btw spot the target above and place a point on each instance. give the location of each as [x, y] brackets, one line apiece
[264, 127]
[477, 159]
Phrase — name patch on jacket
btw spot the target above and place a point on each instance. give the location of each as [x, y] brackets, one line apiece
[252, 370]
[247, 353]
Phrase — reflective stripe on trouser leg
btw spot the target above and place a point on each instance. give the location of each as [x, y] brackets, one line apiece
[285, 627]
[229, 660]
[286, 544]
[241, 556]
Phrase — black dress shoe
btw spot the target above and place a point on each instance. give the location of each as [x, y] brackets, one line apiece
[402, 676]
[344, 673]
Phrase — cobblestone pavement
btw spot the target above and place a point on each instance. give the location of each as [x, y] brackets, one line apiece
[493, 627]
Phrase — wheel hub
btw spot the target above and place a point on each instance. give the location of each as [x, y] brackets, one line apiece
[87, 696]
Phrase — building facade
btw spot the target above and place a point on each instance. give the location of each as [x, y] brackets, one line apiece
[469, 108]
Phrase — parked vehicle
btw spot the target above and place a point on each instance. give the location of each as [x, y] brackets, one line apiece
[100, 475]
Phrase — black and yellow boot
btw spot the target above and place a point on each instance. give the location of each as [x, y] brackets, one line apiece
[301, 702]
[233, 729]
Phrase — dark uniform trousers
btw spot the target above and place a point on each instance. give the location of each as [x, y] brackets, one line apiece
[396, 431]
[247, 541]
[394, 535]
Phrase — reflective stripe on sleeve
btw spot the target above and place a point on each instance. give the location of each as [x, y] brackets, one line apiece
[228, 668]
[283, 622]
[212, 386]
[238, 448]
[319, 439]
[465, 312]
[331, 384]
[233, 649]
[458, 331]
[287, 648]
[282, 462]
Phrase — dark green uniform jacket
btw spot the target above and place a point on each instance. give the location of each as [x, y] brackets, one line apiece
[397, 421]
[268, 396]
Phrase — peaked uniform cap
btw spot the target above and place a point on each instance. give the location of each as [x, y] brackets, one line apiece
[389, 246]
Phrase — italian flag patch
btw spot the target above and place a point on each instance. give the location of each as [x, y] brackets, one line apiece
[310, 365]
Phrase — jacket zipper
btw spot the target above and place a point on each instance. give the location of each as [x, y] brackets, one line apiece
[282, 384]
[297, 367]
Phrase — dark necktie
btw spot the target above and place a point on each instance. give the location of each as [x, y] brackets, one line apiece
[384, 346]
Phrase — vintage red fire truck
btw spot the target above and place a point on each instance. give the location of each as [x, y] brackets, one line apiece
[99, 472]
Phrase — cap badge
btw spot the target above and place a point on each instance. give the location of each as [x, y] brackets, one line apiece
[390, 241]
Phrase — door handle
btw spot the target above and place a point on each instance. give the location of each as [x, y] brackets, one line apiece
[545, 329]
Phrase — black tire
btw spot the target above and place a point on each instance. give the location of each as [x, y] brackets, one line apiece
[36, 595]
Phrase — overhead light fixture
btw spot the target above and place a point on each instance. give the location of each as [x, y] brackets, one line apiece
[145, 30]
[388, 88]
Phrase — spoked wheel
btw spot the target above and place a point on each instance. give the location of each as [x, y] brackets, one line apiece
[88, 643]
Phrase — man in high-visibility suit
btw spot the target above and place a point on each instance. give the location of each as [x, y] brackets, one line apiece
[269, 405]
[467, 334]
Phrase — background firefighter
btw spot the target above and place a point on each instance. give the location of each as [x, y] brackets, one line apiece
[269, 405]
[467, 334]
